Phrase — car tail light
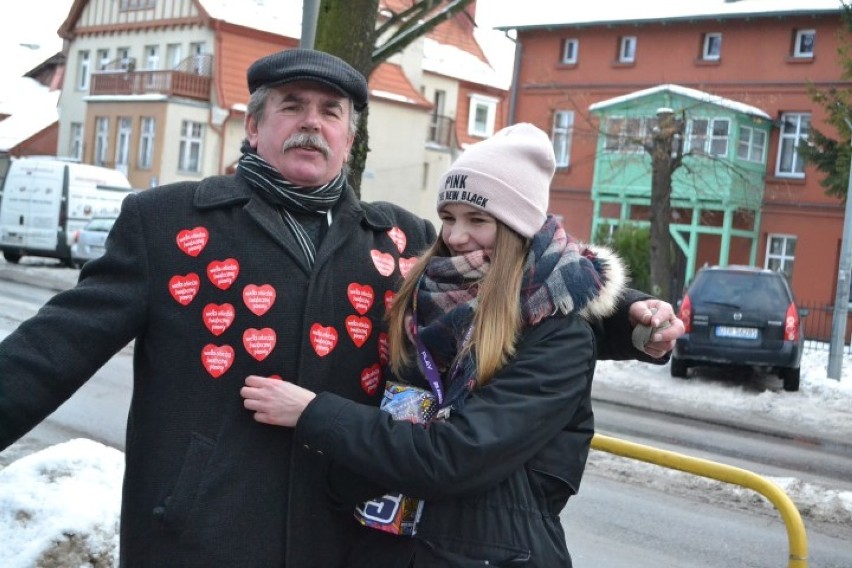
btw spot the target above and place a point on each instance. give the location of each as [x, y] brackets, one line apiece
[791, 323]
[685, 314]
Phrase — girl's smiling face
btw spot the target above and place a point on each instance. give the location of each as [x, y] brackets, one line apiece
[465, 229]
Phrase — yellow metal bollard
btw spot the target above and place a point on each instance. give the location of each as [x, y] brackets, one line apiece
[796, 536]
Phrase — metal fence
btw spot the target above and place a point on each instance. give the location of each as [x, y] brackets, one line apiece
[816, 326]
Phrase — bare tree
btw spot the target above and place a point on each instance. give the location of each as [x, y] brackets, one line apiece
[350, 29]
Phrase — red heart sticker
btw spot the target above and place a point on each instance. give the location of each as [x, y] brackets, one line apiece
[217, 359]
[184, 288]
[223, 273]
[389, 296]
[370, 378]
[405, 265]
[259, 342]
[361, 297]
[398, 238]
[383, 261]
[384, 348]
[359, 329]
[323, 339]
[275, 377]
[193, 241]
[218, 317]
[259, 299]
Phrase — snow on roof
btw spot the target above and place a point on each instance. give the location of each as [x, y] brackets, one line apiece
[31, 108]
[685, 92]
[536, 13]
[450, 61]
[273, 16]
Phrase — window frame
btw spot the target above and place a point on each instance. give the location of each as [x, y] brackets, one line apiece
[797, 44]
[561, 136]
[574, 44]
[783, 258]
[710, 40]
[84, 68]
[793, 139]
[490, 106]
[75, 144]
[709, 136]
[147, 137]
[191, 146]
[101, 141]
[123, 134]
[750, 144]
[627, 49]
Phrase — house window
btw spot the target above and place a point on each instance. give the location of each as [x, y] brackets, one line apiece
[563, 130]
[712, 50]
[152, 57]
[803, 45]
[780, 254]
[128, 5]
[122, 54]
[627, 49]
[83, 69]
[199, 65]
[795, 127]
[627, 135]
[708, 136]
[122, 144]
[76, 144]
[174, 55]
[440, 126]
[569, 51]
[146, 142]
[483, 111]
[190, 146]
[101, 140]
[103, 59]
[751, 144]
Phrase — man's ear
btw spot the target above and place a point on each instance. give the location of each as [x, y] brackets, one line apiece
[251, 130]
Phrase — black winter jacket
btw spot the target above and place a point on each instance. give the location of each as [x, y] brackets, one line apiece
[497, 473]
[189, 274]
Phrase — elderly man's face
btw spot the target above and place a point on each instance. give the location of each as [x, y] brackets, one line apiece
[304, 133]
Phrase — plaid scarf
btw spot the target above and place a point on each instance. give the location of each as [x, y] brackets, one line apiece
[560, 275]
[291, 198]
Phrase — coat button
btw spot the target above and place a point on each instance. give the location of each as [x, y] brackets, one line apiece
[159, 513]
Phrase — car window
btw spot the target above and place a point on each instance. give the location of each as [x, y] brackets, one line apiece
[100, 224]
[745, 290]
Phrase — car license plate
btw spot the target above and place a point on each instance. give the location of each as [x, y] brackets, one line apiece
[736, 332]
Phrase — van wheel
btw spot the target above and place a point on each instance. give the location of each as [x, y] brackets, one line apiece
[790, 378]
[678, 367]
[11, 257]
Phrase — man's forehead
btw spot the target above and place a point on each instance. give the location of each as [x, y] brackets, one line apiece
[299, 90]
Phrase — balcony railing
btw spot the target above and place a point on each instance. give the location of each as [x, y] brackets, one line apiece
[165, 82]
[441, 130]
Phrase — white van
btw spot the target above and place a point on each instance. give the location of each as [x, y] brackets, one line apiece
[44, 201]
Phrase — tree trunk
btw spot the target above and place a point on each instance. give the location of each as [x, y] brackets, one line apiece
[353, 39]
[661, 191]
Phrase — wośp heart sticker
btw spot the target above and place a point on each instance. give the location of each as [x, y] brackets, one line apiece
[359, 328]
[184, 288]
[217, 359]
[370, 378]
[323, 339]
[384, 262]
[218, 317]
[223, 273]
[192, 241]
[405, 265]
[259, 342]
[258, 299]
[398, 237]
[361, 296]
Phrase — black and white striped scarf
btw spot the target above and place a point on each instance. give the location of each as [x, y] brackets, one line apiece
[291, 198]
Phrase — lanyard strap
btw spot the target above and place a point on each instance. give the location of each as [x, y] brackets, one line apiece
[425, 360]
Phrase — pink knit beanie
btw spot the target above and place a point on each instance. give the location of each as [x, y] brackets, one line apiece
[507, 176]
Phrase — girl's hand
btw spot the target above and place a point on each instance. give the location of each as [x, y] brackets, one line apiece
[274, 401]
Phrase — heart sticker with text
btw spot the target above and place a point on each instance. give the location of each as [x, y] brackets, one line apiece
[361, 297]
[389, 296]
[384, 348]
[184, 288]
[259, 299]
[398, 238]
[193, 241]
[383, 261]
[223, 273]
[217, 359]
[259, 342]
[218, 317]
[359, 329]
[370, 378]
[405, 265]
[323, 339]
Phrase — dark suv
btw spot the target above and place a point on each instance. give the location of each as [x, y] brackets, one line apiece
[740, 315]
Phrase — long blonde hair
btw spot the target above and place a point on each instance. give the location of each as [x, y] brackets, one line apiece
[497, 319]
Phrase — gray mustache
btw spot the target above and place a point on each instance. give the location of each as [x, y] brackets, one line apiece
[302, 139]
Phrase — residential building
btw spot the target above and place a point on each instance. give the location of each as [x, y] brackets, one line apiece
[735, 75]
[157, 89]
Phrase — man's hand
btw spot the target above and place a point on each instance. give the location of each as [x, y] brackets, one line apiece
[665, 326]
[274, 401]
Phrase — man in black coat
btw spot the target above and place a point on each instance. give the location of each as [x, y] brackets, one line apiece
[276, 271]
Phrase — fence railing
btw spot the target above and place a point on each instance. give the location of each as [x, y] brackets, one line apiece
[816, 326]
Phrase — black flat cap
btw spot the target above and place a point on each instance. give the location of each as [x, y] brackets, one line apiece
[309, 65]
